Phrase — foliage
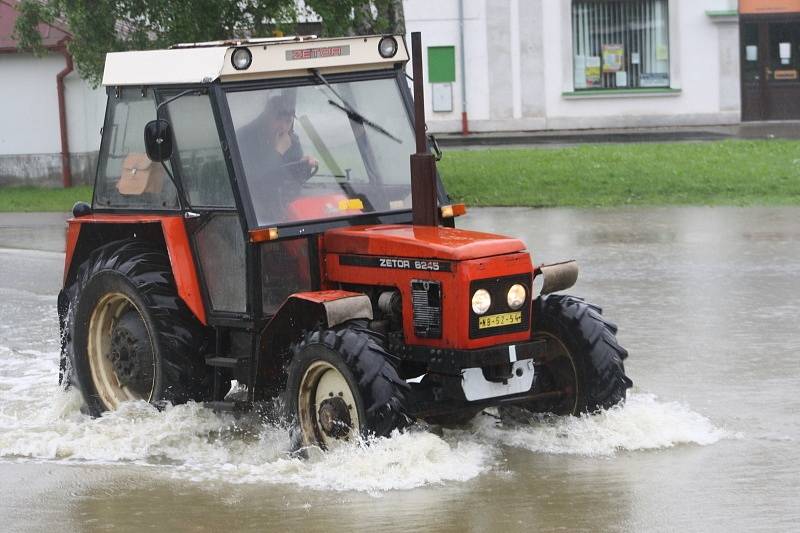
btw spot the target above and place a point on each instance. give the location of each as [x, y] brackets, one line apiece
[358, 17]
[101, 26]
[734, 172]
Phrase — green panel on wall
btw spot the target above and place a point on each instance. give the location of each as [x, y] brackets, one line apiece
[441, 64]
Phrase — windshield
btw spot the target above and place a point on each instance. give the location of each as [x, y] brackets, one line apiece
[321, 151]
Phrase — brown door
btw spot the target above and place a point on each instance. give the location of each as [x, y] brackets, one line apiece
[770, 56]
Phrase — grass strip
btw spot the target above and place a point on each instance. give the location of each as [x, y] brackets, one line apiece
[27, 199]
[731, 172]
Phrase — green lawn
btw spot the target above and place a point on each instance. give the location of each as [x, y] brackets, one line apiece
[42, 199]
[709, 173]
[705, 173]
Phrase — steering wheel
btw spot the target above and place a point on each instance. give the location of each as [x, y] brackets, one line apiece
[312, 169]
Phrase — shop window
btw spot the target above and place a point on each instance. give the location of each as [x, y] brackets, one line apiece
[620, 44]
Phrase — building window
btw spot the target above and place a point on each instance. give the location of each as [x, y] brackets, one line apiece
[620, 44]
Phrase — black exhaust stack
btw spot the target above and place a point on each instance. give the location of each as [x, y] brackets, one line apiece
[425, 205]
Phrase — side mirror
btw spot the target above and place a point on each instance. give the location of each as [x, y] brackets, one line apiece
[158, 140]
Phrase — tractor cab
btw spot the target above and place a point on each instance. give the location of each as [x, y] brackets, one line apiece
[269, 211]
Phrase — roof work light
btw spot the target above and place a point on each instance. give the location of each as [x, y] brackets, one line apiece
[241, 58]
[387, 47]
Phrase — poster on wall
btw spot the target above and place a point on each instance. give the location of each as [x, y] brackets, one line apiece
[593, 71]
[612, 57]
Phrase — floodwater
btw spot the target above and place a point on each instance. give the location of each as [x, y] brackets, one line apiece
[707, 300]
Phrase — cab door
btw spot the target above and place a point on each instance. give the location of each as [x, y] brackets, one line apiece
[212, 219]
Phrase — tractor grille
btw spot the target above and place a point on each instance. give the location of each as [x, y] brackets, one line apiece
[426, 300]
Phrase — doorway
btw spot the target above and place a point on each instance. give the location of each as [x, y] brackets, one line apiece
[770, 66]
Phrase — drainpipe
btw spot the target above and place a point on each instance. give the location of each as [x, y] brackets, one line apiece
[66, 171]
[464, 121]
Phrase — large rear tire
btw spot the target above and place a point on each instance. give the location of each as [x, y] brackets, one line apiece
[127, 335]
[584, 359]
[341, 385]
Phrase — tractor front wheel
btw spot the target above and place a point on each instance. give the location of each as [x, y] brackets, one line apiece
[583, 367]
[341, 385]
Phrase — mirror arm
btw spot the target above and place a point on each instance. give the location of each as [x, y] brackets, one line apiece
[179, 95]
[184, 204]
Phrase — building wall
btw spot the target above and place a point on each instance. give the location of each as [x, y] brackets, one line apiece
[30, 142]
[520, 68]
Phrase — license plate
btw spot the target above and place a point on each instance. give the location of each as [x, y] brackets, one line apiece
[503, 319]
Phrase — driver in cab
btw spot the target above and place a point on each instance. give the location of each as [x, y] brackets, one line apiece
[271, 151]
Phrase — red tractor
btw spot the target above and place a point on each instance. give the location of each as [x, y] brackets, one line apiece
[255, 218]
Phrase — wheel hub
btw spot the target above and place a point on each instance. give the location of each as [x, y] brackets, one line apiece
[131, 355]
[334, 417]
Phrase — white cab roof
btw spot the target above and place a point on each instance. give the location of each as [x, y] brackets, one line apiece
[272, 57]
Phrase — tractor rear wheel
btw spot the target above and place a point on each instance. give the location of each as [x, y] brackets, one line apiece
[127, 334]
[341, 385]
[584, 361]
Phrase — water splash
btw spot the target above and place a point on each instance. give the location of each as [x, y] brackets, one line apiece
[40, 422]
[191, 442]
[643, 423]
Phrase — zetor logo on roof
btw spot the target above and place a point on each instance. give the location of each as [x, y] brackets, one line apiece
[315, 53]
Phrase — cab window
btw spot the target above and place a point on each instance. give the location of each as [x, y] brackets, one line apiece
[197, 154]
[315, 152]
[126, 177]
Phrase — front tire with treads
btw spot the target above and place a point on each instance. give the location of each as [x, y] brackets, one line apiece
[584, 360]
[126, 334]
[341, 385]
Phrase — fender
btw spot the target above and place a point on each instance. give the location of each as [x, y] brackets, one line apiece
[86, 233]
[303, 311]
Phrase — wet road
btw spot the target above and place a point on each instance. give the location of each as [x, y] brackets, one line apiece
[707, 302]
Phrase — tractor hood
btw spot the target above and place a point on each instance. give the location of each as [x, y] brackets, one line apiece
[425, 242]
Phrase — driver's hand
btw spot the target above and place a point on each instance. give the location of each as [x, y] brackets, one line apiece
[310, 161]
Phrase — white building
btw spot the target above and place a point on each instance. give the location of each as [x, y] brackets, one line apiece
[528, 65]
[574, 64]
[30, 127]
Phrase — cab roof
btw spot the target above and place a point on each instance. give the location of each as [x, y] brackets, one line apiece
[273, 57]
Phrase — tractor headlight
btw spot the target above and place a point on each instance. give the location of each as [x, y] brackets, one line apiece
[241, 58]
[516, 296]
[387, 47]
[481, 301]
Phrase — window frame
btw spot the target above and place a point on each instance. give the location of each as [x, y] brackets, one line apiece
[115, 93]
[295, 229]
[673, 88]
[163, 94]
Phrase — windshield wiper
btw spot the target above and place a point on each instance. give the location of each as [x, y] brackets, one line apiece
[352, 114]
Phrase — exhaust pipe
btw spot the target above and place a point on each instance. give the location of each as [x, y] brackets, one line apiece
[424, 201]
[558, 276]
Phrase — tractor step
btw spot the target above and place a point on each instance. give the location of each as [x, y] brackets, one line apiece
[227, 362]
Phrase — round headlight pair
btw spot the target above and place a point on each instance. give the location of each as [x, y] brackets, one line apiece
[482, 300]
[241, 58]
